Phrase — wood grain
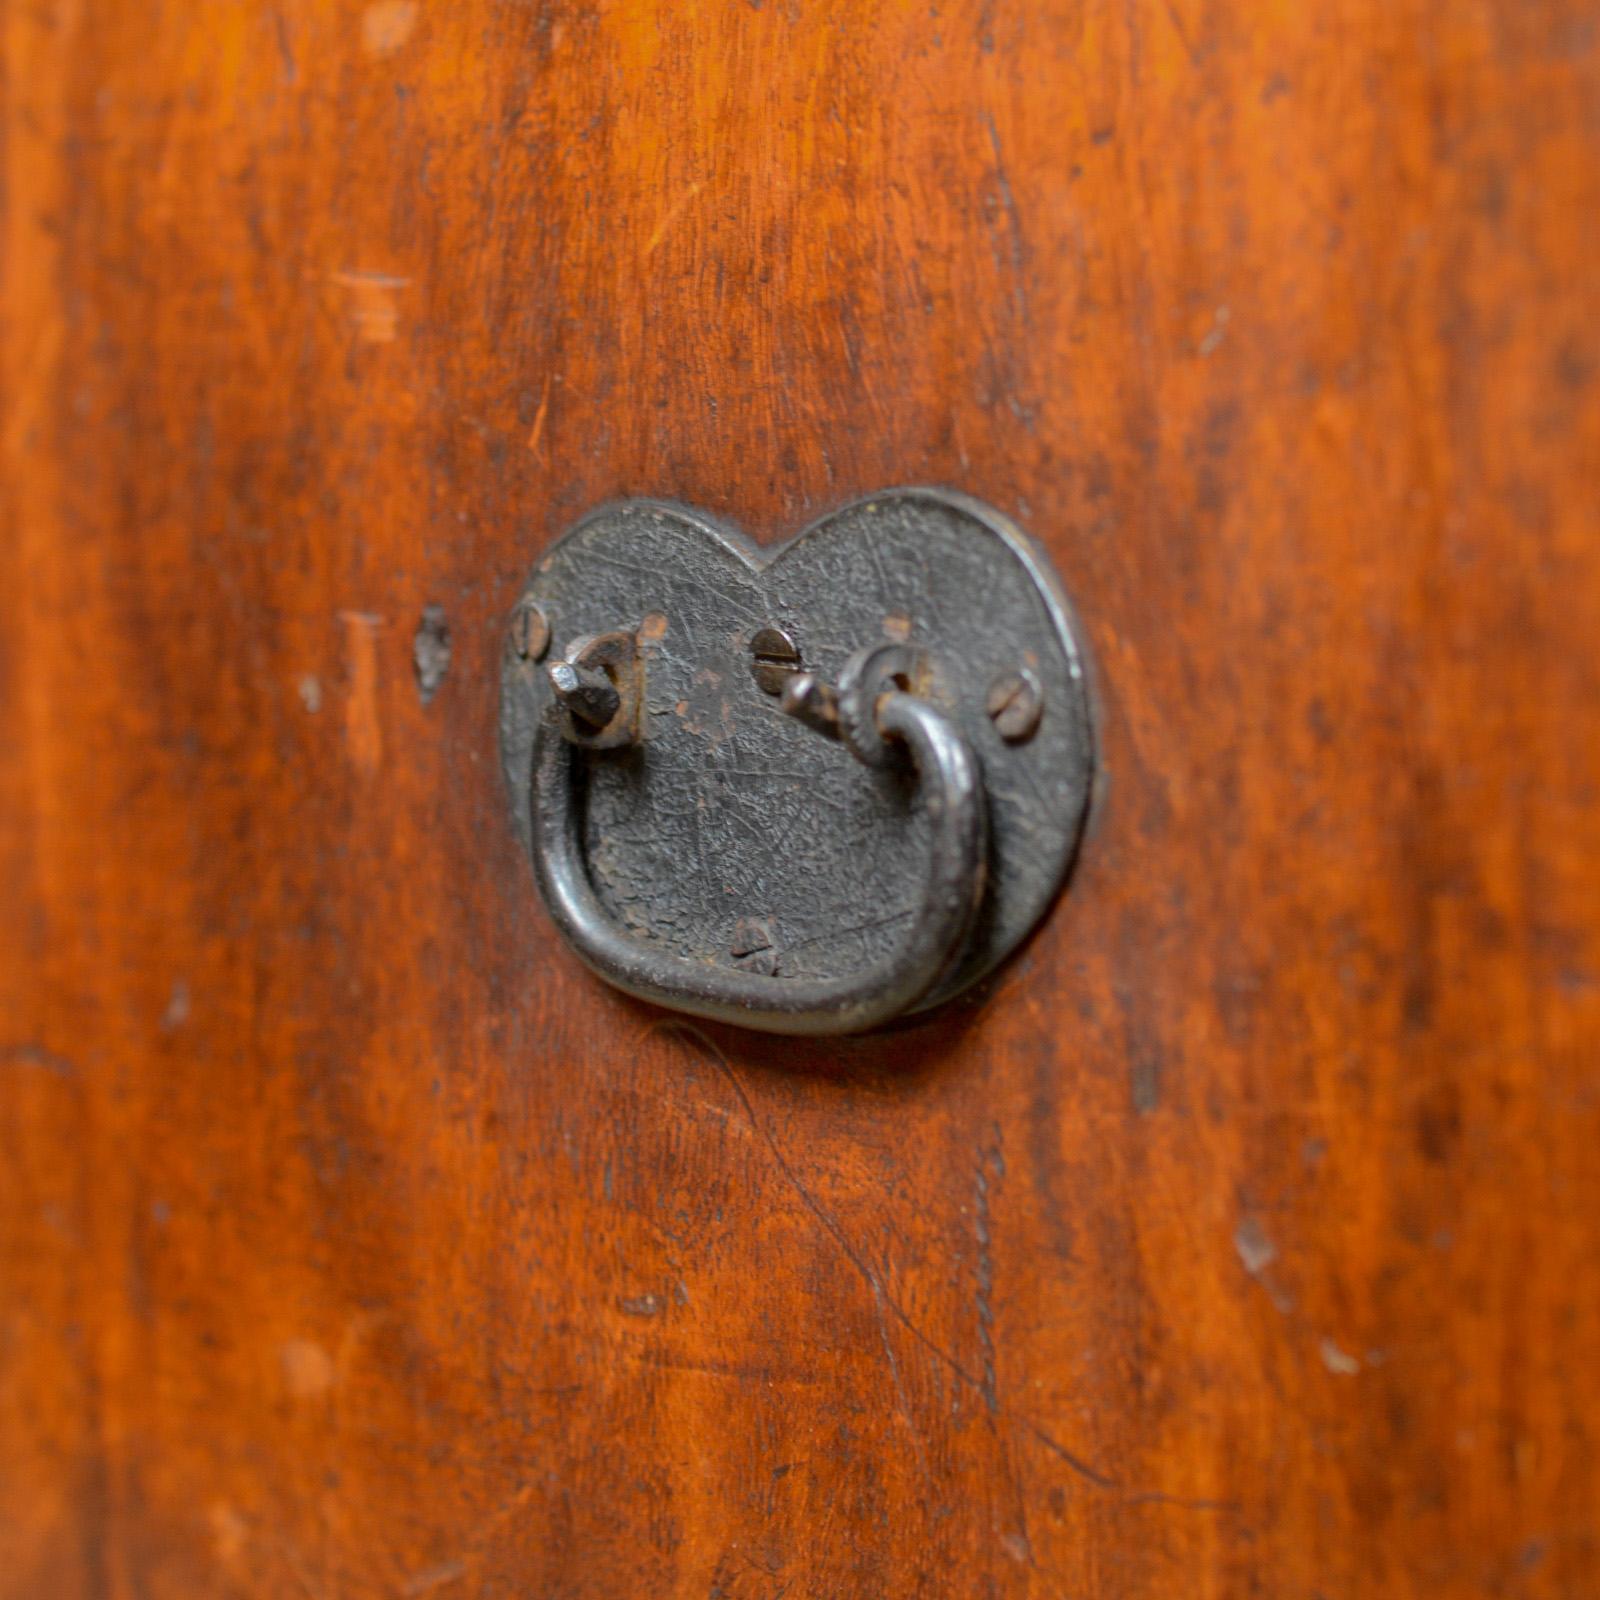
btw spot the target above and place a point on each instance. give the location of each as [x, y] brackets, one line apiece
[1239, 1239]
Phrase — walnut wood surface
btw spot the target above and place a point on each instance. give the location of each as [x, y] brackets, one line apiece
[1238, 1239]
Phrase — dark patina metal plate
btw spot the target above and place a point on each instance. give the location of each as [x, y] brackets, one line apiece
[734, 835]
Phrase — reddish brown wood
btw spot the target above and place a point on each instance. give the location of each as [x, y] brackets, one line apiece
[1240, 1239]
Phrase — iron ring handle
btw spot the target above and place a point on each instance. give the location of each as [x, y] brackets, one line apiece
[952, 783]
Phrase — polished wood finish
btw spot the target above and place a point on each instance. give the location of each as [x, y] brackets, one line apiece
[1238, 1239]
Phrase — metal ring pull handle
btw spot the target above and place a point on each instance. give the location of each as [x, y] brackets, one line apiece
[597, 698]
[728, 863]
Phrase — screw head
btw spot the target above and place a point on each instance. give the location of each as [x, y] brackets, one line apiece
[1015, 705]
[775, 658]
[753, 946]
[530, 631]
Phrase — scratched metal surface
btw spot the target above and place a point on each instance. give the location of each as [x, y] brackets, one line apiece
[729, 812]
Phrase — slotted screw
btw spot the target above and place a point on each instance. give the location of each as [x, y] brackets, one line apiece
[530, 631]
[1015, 705]
[775, 659]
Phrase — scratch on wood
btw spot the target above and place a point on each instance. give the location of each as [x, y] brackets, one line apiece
[902, 1397]
[991, 1395]
[457, 1567]
[743, 1372]
[673, 212]
[1008, 201]
[1216, 333]
[285, 49]
[1178, 27]
[536, 433]
[854, 1257]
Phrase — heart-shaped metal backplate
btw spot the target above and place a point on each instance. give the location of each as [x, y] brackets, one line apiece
[734, 835]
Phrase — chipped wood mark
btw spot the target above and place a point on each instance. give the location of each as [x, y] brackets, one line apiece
[363, 727]
[374, 303]
[387, 25]
[536, 432]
